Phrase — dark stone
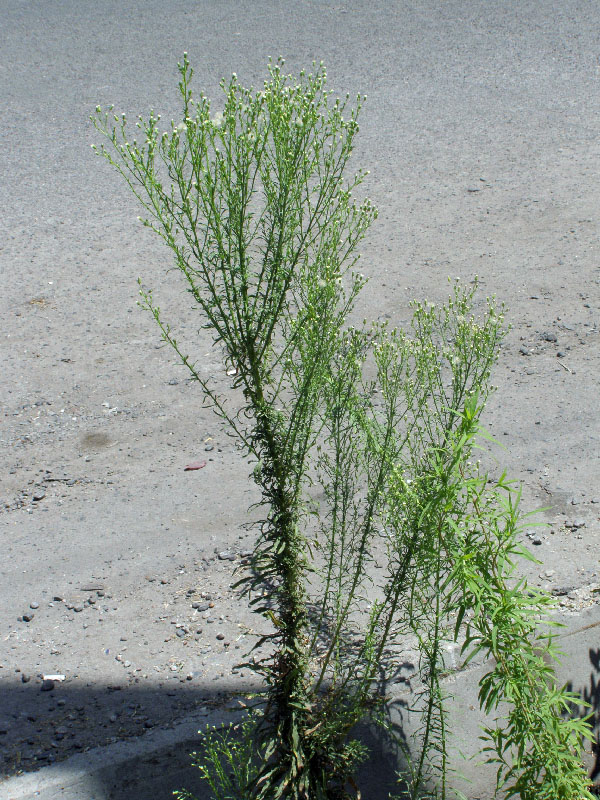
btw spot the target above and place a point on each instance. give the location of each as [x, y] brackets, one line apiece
[561, 591]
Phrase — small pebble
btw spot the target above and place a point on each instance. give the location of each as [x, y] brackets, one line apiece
[220, 636]
[77, 608]
[180, 632]
[34, 605]
[536, 540]
[25, 678]
[47, 686]
[28, 617]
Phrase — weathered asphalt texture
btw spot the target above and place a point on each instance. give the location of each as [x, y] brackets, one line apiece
[481, 135]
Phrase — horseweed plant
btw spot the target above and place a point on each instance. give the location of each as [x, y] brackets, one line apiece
[362, 441]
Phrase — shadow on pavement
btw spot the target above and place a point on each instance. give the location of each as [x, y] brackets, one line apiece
[133, 742]
[591, 695]
[147, 733]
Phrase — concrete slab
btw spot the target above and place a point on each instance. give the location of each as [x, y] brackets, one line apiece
[579, 669]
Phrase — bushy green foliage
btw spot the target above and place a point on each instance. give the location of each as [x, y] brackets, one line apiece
[362, 441]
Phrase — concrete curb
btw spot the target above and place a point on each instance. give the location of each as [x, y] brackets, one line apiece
[156, 764]
[97, 774]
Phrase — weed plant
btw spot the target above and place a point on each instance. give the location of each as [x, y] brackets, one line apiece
[362, 442]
